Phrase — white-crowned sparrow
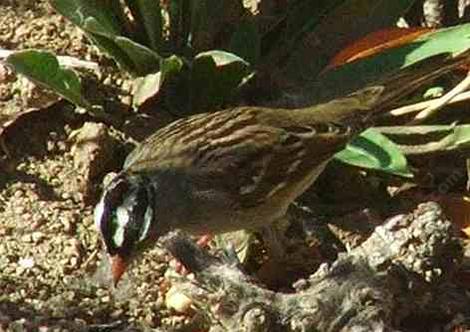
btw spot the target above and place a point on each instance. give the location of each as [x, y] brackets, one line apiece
[234, 169]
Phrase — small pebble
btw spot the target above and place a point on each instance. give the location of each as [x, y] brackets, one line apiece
[66, 224]
[19, 210]
[26, 263]
[18, 193]
[178, 301]
[73, 261]
[105, 299]
[50, 146]
[37, 236]
[26, 238]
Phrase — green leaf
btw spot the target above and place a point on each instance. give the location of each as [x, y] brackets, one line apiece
[454, 40]
[105, 25]
[170, 67]
[44, 69]
[222, 58]
[175, 85]
[108, 46]
[201, 86]
[144, 60]
[180, 12]
[246, 42]
[355, 75]
[91, 24]
[78, 11]
[373, 150]
[314, 35]
[134, 57]
[148, 16]
[207, 17]
[170, 75]
[145, 88]
[215, 75]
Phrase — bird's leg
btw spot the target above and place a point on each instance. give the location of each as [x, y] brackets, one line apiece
[203, 242]
[274, 241]
[271, 272]
[290, 257]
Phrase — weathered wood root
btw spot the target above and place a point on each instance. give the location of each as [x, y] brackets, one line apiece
[403, 268]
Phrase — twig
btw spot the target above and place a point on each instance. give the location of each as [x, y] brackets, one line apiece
[444, 100]
[425, 104]
[429, 107]
[89, 259]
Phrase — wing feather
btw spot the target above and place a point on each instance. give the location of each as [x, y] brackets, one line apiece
[238, 153]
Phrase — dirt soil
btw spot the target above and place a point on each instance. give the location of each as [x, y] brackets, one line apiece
[52, 272]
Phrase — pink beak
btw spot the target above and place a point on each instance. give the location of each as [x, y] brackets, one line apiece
[118, 267]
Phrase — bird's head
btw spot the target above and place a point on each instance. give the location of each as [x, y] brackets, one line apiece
[124, 217]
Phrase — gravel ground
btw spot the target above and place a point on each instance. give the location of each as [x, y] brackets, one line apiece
[52, 274]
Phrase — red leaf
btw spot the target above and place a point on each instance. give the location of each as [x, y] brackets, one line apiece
[376, 42]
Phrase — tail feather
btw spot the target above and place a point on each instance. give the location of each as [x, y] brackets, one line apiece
[361, 105]
[407, 80]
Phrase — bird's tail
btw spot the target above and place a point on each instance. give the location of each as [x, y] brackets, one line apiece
[381, 94]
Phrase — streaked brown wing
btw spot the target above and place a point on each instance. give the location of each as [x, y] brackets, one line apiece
[167, 141]
[238, 153]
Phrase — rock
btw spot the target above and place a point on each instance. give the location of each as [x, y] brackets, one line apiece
[37, 236]
[178, 301]
[93, 152]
